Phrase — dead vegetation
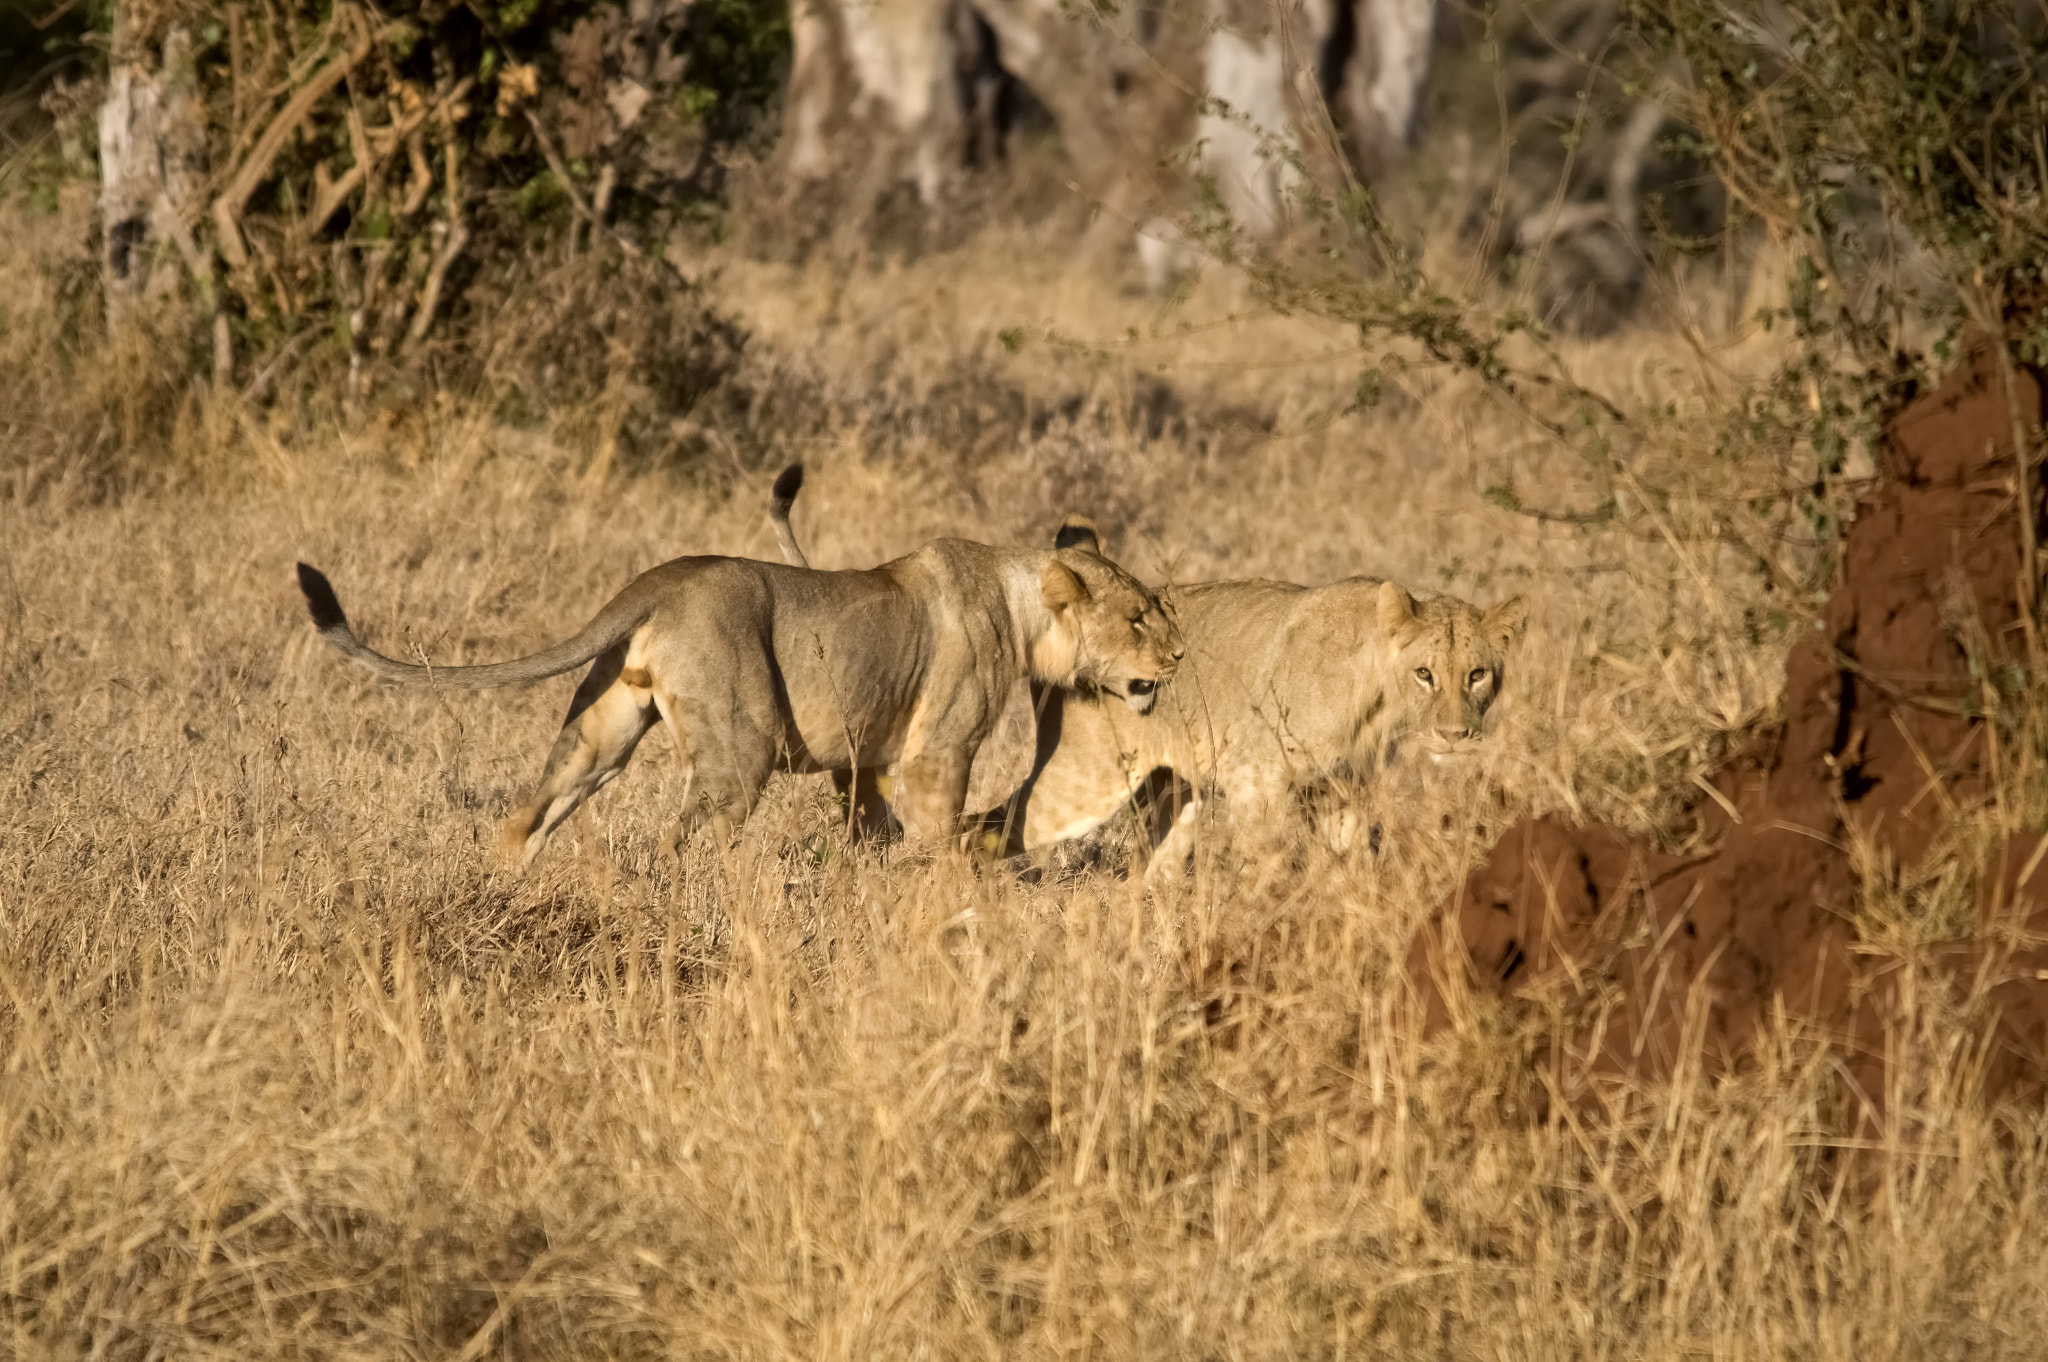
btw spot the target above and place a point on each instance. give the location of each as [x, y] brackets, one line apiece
[287, 1067]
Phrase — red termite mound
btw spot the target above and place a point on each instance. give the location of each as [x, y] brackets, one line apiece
[1878, 745]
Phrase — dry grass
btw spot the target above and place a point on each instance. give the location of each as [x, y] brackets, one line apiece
[289, 1070]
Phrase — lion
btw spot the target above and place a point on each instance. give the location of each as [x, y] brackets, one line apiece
[1283, 687]
[758, 667]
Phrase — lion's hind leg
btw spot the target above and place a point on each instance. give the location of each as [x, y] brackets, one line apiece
[728, 754]
[612, 711]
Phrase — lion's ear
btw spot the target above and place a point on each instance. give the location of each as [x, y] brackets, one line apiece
[1505, 622]
[1062, 586]
[1078, 532]
[1396, 610]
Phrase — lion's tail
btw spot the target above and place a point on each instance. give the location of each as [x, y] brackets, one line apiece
[781, 497]
[623, 614]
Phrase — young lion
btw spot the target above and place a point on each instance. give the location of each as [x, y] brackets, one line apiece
[758, 667]
[1283, 686]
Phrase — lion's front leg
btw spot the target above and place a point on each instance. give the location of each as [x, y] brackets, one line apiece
[865, 792]
[931, 792]
[1174, 854]
[1250, 798]
[1086, 772]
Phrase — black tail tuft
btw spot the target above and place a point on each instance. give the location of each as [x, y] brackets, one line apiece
[788, 483]
[321, 600]
[1078, 532]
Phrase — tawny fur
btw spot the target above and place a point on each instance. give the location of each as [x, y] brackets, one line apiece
[758, 667]
[1283, 686]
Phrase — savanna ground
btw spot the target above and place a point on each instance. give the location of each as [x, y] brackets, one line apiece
[291, 1069]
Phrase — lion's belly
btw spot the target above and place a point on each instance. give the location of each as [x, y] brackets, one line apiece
[827, 733]
[851, 673]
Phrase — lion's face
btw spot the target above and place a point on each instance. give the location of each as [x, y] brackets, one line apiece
[1450, 659]
[1120, 640]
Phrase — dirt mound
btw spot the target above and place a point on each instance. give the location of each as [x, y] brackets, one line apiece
[1635, 954]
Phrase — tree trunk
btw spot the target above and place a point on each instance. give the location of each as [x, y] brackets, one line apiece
[872, 95]
[152, 176]
[1111, 97]
[1380, 85]
[1269, 62]
[892, 91]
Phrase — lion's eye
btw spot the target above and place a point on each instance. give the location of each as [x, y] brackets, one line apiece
[1428, 681]
[1479, 677]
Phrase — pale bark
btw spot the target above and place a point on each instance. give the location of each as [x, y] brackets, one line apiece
[872, 93]
[152, 136]
[1267, 64]
[1248, 125]
[1375, 104]
[890, 90]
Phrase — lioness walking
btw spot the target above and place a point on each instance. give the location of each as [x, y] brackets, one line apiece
[758, 667]
[1284, 686]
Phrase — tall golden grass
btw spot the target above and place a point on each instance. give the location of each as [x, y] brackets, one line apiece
[287, 1068]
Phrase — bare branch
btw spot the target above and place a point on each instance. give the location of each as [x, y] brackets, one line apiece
[227, 209]
[561, 171]
[259, 386]
[331, 194]
[430, 298]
